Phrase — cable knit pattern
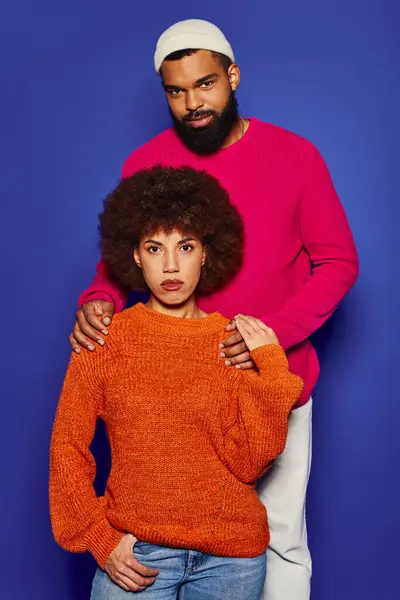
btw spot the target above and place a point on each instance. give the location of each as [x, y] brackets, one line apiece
[300, 258]
[189, 437]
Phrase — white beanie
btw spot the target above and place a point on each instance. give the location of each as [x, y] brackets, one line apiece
[193, 33]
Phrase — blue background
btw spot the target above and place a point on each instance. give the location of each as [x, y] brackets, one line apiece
[78, 94]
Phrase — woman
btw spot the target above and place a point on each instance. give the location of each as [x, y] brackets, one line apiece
[180, 517]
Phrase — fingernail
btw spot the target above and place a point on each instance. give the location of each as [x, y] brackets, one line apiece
[106, 321]
[101, 342]
[222, 354]
[104, 331]
[77, 350]
[238, 367]
[228, 363]
[221, 345]
[90, 347]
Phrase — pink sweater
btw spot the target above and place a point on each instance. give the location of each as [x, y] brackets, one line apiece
[300, 257]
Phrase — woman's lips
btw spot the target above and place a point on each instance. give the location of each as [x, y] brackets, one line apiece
[200, 122]
[172, 285]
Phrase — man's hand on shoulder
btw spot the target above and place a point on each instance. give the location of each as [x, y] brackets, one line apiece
[91, 325]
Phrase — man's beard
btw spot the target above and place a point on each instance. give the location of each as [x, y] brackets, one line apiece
[208, 139]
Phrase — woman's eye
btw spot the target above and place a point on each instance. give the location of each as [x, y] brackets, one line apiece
[153, 249]
[186, 247]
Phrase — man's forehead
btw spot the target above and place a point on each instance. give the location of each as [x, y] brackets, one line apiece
[187, 70]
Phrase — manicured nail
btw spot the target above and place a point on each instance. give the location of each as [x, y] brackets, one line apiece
[104, 331]
[90, 347]
[222, 354]
[228, 363]
[77, 350]
[101, 342]
[238, 367]
[221, 346]
[106, 321]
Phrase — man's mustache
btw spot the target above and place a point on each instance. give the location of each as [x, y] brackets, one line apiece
[199, 114]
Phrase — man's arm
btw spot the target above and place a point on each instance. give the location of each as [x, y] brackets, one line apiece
[103, 287]
[100, 300]
[328, 241]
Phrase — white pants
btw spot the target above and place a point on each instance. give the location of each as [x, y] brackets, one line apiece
[283, 492]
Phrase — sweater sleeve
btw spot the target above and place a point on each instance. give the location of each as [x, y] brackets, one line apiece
[328, 241]
[78, 516]
[256, 427]
[103, 287]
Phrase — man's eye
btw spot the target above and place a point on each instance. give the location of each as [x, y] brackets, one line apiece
[207, 84]
[174, 92]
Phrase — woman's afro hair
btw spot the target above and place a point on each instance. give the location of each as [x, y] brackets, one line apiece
[167, 199]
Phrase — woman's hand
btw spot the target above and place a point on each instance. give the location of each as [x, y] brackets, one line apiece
[124, 570]
[254, 332]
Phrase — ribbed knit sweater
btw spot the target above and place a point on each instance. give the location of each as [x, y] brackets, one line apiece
[300, 258]
[188, 439]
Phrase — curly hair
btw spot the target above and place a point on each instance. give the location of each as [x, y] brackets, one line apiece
[166, 199]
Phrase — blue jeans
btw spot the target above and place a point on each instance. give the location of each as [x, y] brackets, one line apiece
[189, 575]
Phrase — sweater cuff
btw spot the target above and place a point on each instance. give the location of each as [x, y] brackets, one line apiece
[270, 359]
[101, 541]
[92, 296]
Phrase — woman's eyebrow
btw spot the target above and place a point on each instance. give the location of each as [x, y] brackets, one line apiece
[153, 242]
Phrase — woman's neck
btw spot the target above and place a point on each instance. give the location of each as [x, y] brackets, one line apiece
[187, 310]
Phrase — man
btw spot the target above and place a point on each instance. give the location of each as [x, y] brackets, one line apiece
[296, 233]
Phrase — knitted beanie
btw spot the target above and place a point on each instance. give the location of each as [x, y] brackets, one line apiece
[192, 33]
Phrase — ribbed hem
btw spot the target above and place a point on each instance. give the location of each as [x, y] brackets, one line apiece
[100, 296]
[217, 543]
[270, 358]
[212, 323]
[102, 540]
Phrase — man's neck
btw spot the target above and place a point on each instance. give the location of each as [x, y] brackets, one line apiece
[238, 130]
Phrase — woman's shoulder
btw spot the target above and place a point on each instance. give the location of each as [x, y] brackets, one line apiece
[122, 326]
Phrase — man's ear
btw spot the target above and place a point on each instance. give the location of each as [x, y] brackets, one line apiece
[234, 77]
[136, 257]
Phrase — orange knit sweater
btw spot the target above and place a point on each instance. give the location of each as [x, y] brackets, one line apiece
[189, 437]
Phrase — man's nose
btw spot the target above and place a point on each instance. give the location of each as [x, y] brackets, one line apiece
[193, 101]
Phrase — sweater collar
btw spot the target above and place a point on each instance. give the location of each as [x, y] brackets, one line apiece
[212, 323]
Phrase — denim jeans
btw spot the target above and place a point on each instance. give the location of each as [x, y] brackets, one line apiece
[189, 575]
